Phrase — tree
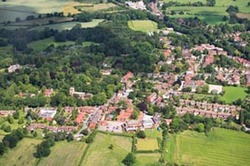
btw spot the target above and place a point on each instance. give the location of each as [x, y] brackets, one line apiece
[70, 137]
[141, 134]
[2, 148]
[16, 115]
[129, 160]
[85, 132]
[200, 127]
[135, 114]
[232, 9]
[111, 146]
[211, 2]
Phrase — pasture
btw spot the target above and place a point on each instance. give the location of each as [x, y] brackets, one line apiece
[22, 154]
[233, 93]
[147, 144]
[143, 25]
[95, 7]
[64, 154]
[220, 147]
[211, 15]
[147, 159]
[99, 152]
[69, 25]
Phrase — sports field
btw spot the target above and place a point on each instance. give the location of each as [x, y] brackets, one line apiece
[22, 154]
[64, 154]
[143, 25]
[233, 93]
[99, 152]
[221, 147]
[211, 15]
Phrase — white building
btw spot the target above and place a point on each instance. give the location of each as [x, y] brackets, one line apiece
[216, 88]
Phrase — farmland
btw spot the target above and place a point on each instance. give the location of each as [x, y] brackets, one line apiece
[64, 153]
[143, 25]
[220, 147]
[95, 7]
[233, 93]
[69, 25]
[211, 15]
[99, 152]
[23, 153]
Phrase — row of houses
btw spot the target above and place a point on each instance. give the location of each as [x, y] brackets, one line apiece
[67, 129]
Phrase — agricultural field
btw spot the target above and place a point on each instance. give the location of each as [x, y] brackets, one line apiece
[233, 93]
[143, 25]
[69, 25]
[95, 7]
[64, 154]
[220, 147]
[99, 152]
[211, 15]
[147, 144]
[22, 154]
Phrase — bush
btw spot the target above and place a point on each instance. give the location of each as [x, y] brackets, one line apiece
[129, 160]
[141, 134]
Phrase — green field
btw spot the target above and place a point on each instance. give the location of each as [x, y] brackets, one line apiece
[100, 154]
[211, 15]
[95, 7]
[143, 25]
[22, 154]
[69, 25]
[147, 144]
[233, 93]
[221, 147]
[64, 154]
[147, 159]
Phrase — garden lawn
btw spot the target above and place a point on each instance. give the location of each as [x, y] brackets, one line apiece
[220, 147]
[22, 154]
[233, 93]
[143, 25]
[64, 154]
[147, 144]
[100, 154]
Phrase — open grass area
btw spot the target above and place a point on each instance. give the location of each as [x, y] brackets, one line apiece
[143, 25]
[233, 93]
[100, 154]
[22, 154]
[221, 147]
[147, 144]
[95, 7]
[147, 159]
[64, 154]
[69, 25]
[153, 133]
[211, 15]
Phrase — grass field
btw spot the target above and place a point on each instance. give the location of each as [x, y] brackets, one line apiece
[211, 15]
[64, 154]
[95, 7]
[69, 25]
[233, 93]
[221, 147]
[100, 154]
[153, 133]
[147, 159]
[147, 144]
[142, 25]
[22, 154]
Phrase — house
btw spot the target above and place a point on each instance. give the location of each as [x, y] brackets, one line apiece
[6, 112]
[106, 72]
[167, 53]
[80, 95]
[47, 113]
[128, 76]
[14, 68]
[248, 79]
[132, 125]
[136, 5]
[48, 92]
[147, 122]
[80, 117]
[215, 88]
[94, 119]
[125, 115]
[209, 59]
[168, 121]
[151, 98]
